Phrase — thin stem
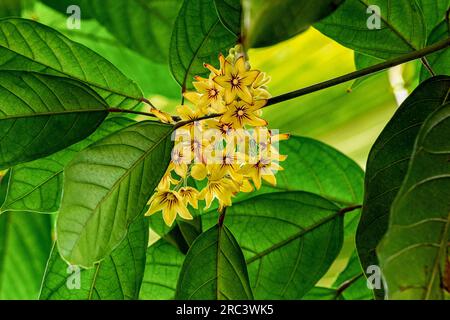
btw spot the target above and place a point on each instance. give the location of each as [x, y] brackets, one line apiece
[428, 66]
[361, 73]
[347, 284]
[146, 101]
[117, 110]
[223, 212]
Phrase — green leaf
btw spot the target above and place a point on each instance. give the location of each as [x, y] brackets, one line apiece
[162, 269]
[40, 115]
[25, 244]
[276, 21]
[439, 61]
[433, 11]
[414, 252]
[352, 283]
[9, 8]
[214, 269]
[142, 25]
[27, 45]
[388, 163]
[321, 293]
[289, 240]
[230, 14]
[402, 30]
[106, 186]
[118, 277]
[37, 186]
[198, 37]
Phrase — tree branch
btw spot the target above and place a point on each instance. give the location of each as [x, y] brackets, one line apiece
[361, 73]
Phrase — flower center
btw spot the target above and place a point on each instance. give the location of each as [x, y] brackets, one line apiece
[170, 196]
[235, 82]
[240, 113]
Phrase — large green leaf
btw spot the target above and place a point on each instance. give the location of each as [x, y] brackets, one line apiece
[106, 186]
[25, 244]
[439, 61]
[289, 240]
[37, 186]
[142, 25]
[118, 277]
[198, 37]
[162, 269]
[9, 8]
[40, 115]
[214, 269]
[414, 251]
[433, 11]
[27, 45]
[275, 21]
[402, 27]
[230, 14]
[388, 163]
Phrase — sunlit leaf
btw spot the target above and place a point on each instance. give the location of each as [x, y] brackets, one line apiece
[27, 45]
[106, 186]
[37, 186]
[40, 115]
[117, 277]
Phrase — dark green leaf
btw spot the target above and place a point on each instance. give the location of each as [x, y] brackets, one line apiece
[198, 37]
[388, 163]
[402, 30]
[276, 21]
[25, 244]
[214, 269]
[27, 45]
[439, 61]
[117, 277]
[37, 186]
[190, 229]
[106, 186]
[40, 115]
[289, 241]
[230, 14]
[414, 252]
[163, 267]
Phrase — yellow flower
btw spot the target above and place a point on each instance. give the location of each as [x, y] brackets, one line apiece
[211, 95]
[181, 157]
[241, 113]
[219, 188]
[236, 81]
[263, 169]
[170, 203]
[167, 180]
[215, 71]
[189, 196]
[162, 116]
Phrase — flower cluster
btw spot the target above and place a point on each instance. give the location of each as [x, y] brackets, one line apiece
[224, 147]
